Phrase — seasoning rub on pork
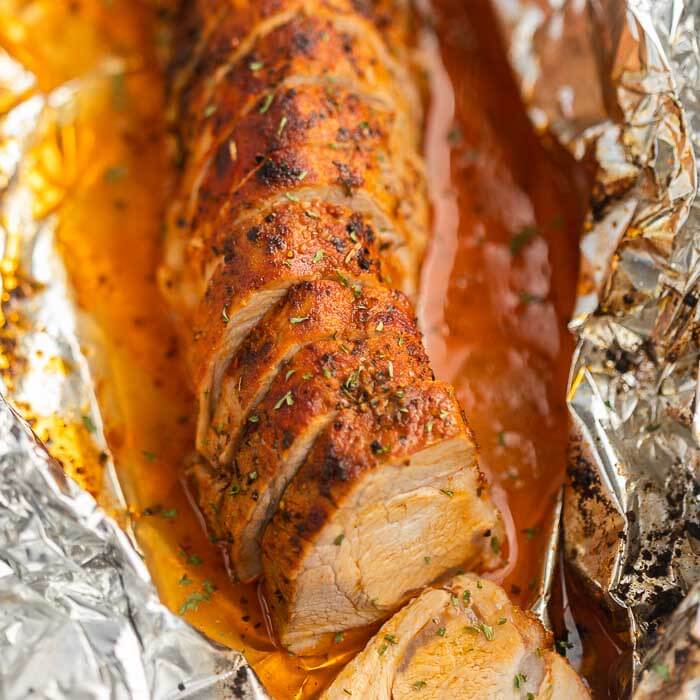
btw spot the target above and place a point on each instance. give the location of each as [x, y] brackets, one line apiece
[464, 640]
[333, 464]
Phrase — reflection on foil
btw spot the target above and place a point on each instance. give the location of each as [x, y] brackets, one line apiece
[618, 83]
[79, 616]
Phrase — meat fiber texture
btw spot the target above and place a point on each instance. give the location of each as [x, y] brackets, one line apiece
[463, 640]
[332, 464]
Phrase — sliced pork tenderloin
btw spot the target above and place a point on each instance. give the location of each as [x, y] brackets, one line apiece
[321, 379]
[388, 499]
[311, 311]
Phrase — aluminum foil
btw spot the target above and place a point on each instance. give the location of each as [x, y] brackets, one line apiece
[79, 616]
[618, 83]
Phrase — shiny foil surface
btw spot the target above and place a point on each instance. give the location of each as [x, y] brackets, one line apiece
[618, 84]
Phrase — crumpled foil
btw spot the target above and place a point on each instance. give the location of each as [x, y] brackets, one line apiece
[79, 616]
[618, 83]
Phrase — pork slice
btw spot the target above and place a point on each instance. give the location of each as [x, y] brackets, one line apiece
[464, 641]
[388, 500]
[321, 379]
[302, 49]
[312, 137]
[259, 263]
[311, 311]
[215, 37]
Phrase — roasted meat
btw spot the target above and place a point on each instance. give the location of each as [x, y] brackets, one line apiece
[464, 640]
[333, 464]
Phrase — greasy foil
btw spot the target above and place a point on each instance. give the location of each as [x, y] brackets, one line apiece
[79, 616]
[618, 84]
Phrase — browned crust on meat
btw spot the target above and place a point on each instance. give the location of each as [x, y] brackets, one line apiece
[404, 421]
[320, 380]
[311, 311]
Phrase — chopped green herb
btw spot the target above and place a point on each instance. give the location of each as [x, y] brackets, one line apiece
[519, 680]
[441, 631]
[562, 646]
[486, 630]
[266, 102]
[116, 173]
[339, 636]
[466, 597]
[286, 399]
[528, 298]
[318, 255]
[298, 319]
[530, 532]
[495, 545]
[501, 438]
[447, 492]
[347, 692]
[427, 560]
[391, 639]
[307, 376]
[382, 649]
[454, 600]
[255, 65]
[194, 559]
[253, 419]
[419, 685]
[327, 373]
[661, 670]
[343, 279]
[235, 489]
[282, 124]
[289, 374]
[209, 110]
[291, 197]
[89, 424]
[530, 696]
[339, 540]
[502, 620]
[521, 239]
[184, 580]
[169, 514]
[224, 315]
[379, 327]
[302, 175]
[194, 599]
[120, 97]
[479, 584]
[252, 476]
[150, 456]
[192, 602]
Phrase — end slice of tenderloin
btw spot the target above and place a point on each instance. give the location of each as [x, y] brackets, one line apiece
[389, 498]
[464, 640]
